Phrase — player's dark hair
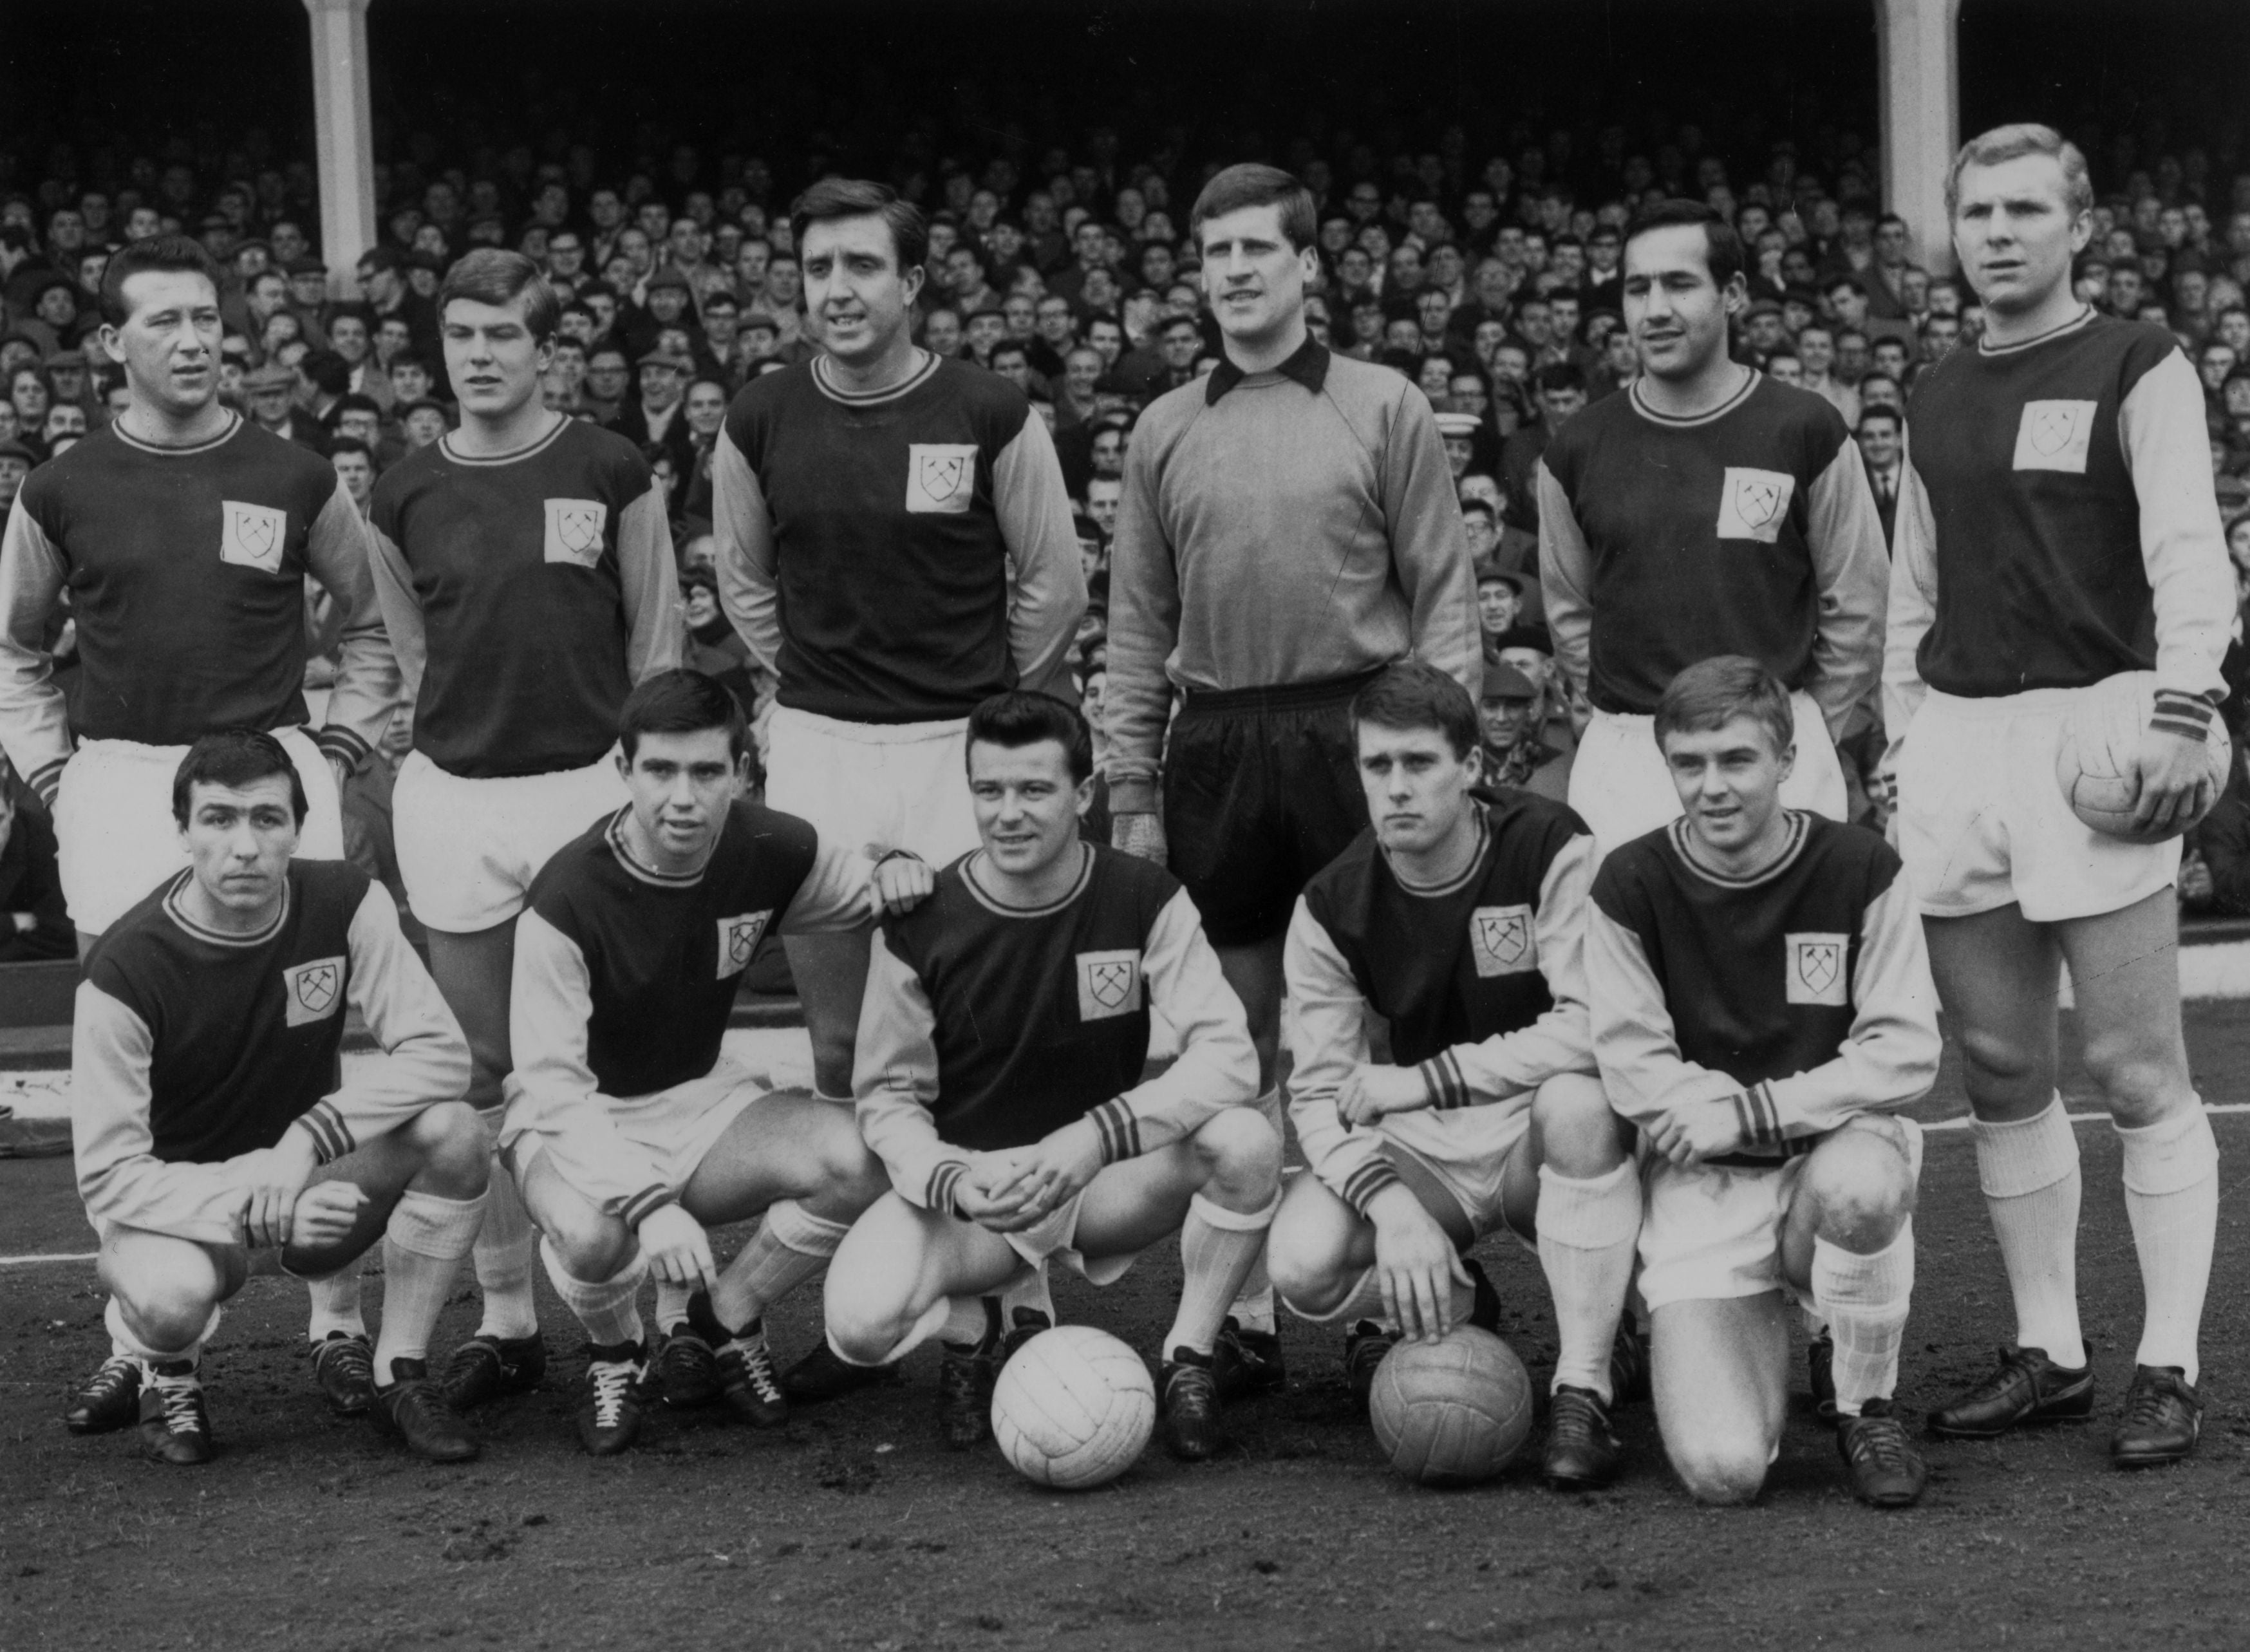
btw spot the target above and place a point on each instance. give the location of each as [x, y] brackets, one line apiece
[1254, 183]
[1712, 692]
[155, 255]
[1021, 717]
[681, 701]
[492, 275]
[234, 759]
[834, 199]
[1412, 693]
[1723, 246]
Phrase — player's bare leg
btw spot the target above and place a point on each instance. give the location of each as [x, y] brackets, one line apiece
[1250, 1348]
[1719, 1371]
[831, 974]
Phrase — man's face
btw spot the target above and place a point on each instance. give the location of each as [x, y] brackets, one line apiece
[1054, 321]
[853, 284]
[1107, 452]
[1505, 719]
[423, 427]
[1939, 335]
[1080, 368]
[2124, 290]
[12, 472]
[2015, 232]
[2215, 363]
[348, 337]
[1557, 405]
[1764, 331]
[1026, 802]
[1179, 343]
[239, 841]
[682, 786]
[685, 241]
[1497, 604]
[941, 332]
[706, 407]
[659, 385]
[1787, 370]
[1483, 534]
[1879, 389]
[1021, 315]
[1103, 495]
[356, 472]
[1890, 245]
[1254, 279]
[1816, 348]
[1107, 340]
[361, 424]
[667, 304]
[169, 345]
[1416, 789]
[785, 277]
[1729, 779]
[1889, 357]
[1879, 442]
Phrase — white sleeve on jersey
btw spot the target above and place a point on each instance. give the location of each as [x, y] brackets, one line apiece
[1566, 579]
[1328, 1041]
[339, 548]
[835, 894]
[895, 1081]
[1635, 1043]
[1850, 564]
[1913, 607]
[656, 632]
[742, 532]
[425, 1059]
[393, 578]
[1144, 629]
[2183, 547]
[34, 721]
[1047, 594]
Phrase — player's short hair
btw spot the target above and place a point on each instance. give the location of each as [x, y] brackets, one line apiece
[834, 199]
[1413, 694]
[494, 276]
[234, 759]
[682, 701]
[1712, 692]
[2012, 143]
[154, 254]
[1022, 717]
[1723, 246]
[1254, 183]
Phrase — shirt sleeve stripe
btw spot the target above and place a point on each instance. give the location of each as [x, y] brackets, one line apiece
[1363, 1184]
[644, 1203]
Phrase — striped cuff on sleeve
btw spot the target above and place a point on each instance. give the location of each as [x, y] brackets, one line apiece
[342, 745]
[332, 1139]
[2181, 713]
[1119, 1130]
[1363, 1184]
[645, 1204]
[1759, 1118]
[943, 1181]
[1441, 1077]
[47, 781]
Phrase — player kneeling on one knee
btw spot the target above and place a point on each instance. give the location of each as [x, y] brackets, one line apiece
[1002, 1045]
[1458, 918]
[1760, 991]
[630, 1130]
[208, 1119]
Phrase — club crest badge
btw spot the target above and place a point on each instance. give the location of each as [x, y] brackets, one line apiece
[1503, 940]
[1754, 503]
[574, 531]
[312, 992]
[1819, 969]
[940, 478]
[252, 535]
[2055, 436]
[1109, 985]
[738, 941]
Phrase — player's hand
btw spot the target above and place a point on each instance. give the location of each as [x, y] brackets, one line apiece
[325, 1213]
[1415, 1264]
[274, 1176]
[678, 1249]
[1374, 1090]
[2175, 781]
[1141, 833]
[899, 885]
[1055, 1169]
[1691, 1134]
[993, 1193]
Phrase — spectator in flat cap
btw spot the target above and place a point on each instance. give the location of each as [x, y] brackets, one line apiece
[655, 420]
[271, 392]
[1508, 719]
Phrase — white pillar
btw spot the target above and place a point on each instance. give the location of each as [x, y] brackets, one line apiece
[346, 137]
[1918, 52]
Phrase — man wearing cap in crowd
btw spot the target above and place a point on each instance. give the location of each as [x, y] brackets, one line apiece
[271, 390]
[1458, 431]
[1527, 647]
[666, 301]
[308, 298]
[383, 286]
[1511, 722]
[653, 421]
[1500, 590]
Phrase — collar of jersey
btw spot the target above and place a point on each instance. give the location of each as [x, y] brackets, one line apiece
[993, 903]
[2084, 318]
[1308, 365]
[646, 873]
[1452, 885]
[835, 392]
[1798, 829]
[174, 911]
[446, 442]
[1672, 421]
[234, 424]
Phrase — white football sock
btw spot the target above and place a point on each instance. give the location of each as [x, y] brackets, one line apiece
[422, 1250]
[791, 1246]
[503, 1259]
[1363, 1300]
[2029, 1173]
[1865, 1298]
[121, 1339]
[671, 1304]
[605, 1307]
[1587, 1227]
[2171, 1199]
[1253, 1307]
[335, 1305]
[1218, 1247]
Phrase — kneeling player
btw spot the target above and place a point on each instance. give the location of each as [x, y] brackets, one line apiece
[1759, 990]
[1001, 1049]
[630, 1132]
[1459, 918]
[207, 1115]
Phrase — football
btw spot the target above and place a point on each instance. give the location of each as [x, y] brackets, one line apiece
[1074, 1409]
[2093, 759]
[1452, 1411]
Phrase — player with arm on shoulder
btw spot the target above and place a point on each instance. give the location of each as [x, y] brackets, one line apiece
[524, 565]
[1707, 510]
[2059, 543]
[1000, 1078]
[184, 533]
[209, 1120]
[1762, 1003]
[631, 1133]
[1458, 920]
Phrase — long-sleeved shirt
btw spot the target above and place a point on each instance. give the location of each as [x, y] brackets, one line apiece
[625, 976]
[526, 594]
[186, 568]
[1481, 982]
[1280, 528]
[191, 1048]
[987, 1027]
[2058, 526]
[1749, 530]
[1798, 996]
[899, 556]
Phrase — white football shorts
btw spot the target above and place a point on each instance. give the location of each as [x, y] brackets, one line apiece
[677, 1128]
[898, 786]
[469, 849]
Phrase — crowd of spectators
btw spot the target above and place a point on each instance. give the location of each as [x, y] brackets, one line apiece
[1492, 281]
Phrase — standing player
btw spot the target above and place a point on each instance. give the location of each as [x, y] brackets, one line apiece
[1459, 919]
[524, 565]
[185, 535]
[208, 1114]
[629, 1130]
[2058, 528]
[1707, 510]
[1000, 1061]
[1288, 529]
[1760, 1000]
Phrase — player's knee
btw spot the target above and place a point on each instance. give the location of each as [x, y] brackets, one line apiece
[169, 1302]
[862, 1328]
[853, 1174]
[1240, 1151]
[454, 1150]
[1719, 1473]
[1578, 1133]
[1303, 1259]
[1994, 1058]
[1863, 1182]
[2135, 1080]
[590, 1244]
